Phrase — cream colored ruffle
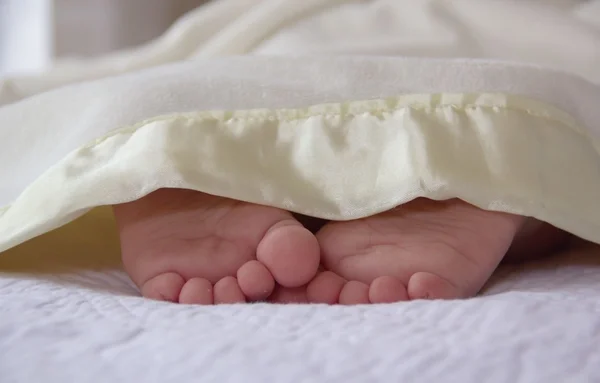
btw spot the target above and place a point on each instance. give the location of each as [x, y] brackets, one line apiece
[336, 161]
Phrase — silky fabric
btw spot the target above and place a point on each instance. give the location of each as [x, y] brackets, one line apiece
[510, 144]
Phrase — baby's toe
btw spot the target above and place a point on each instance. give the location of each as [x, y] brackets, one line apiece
[354, 293]
[290, 252]
[287, 295]
[163, 287]
[424, 285]
[228, 291]
[387, 290]
[197, 291]
[325, 288]
[329, 288]
[255, 281]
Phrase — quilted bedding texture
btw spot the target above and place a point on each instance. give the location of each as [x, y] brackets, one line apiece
[69, 313]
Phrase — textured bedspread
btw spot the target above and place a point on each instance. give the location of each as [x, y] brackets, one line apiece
[540, 323]
[79, 319]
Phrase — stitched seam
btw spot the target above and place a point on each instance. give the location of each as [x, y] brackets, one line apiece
[273, 115]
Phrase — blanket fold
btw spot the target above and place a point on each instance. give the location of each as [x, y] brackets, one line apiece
[336, 138]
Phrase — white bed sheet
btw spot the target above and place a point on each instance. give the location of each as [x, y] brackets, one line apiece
[536, 323]
[65, 317]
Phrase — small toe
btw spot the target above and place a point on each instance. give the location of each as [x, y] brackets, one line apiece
[228, 291]
[255, 281]
[198, 291]
[425, 285]
[163, 287]
[325, 288]
[286, 295]
[354, 293]
[387, 290]
[290, 252]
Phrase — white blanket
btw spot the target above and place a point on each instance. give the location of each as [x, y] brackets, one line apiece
[67, 311]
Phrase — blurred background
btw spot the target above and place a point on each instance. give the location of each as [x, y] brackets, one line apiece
[564, 34]
[35, 32]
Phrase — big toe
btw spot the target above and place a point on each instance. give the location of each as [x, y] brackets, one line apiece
[290, 252]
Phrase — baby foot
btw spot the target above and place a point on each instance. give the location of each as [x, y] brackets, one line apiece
[423, 249]
[189, 247]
